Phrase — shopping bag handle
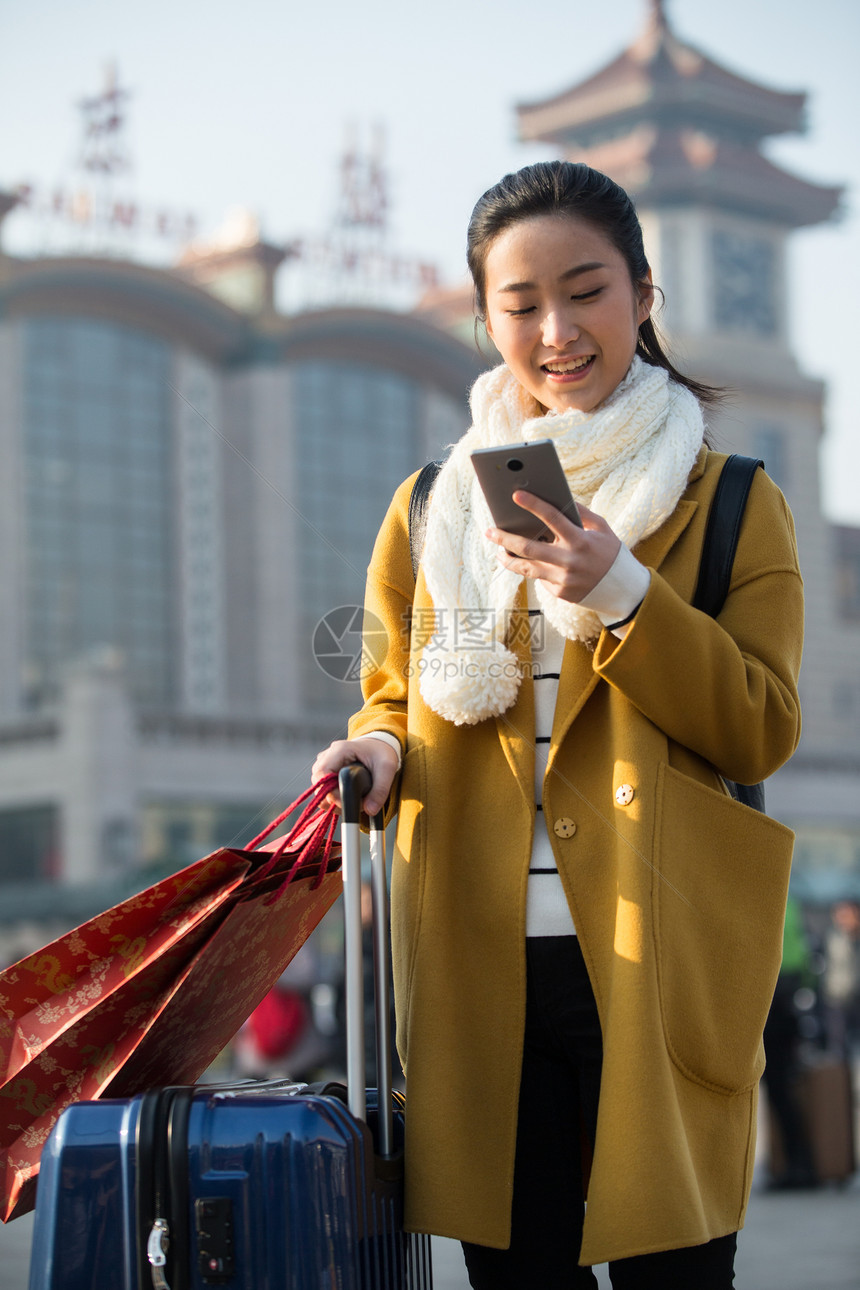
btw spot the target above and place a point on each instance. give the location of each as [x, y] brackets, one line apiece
[319, 839]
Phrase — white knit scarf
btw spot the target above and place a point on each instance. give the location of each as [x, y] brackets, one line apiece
[629, 461]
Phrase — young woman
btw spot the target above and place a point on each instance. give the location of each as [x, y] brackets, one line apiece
[586, 926]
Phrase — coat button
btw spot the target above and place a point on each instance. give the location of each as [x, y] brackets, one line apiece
[624, 794]
[564, 827]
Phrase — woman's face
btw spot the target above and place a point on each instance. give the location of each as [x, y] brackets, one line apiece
[562, 310]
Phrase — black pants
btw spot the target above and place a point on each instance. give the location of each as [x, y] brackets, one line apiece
[558, 1108]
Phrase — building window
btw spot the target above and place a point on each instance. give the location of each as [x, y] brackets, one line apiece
[826, 865]
[848, 572]
[769, 443]
[846, 700]
[29, 845]
[97, 469]
[200, 532]
[175, 834]
[366, 420]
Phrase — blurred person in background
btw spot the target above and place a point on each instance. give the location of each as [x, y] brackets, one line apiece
[842, 977]
[782, 1039]
[281, 1039]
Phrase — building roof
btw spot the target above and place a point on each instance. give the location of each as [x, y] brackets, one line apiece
[164, 303]
[122, 291]
[660, 78]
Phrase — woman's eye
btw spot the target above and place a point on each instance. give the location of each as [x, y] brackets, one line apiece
[518, 313]
[588, 295]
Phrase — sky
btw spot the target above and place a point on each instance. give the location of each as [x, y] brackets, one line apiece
[248, 105]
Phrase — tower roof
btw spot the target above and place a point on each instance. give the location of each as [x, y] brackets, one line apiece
[672, 126]
[671, 166]
[658, 78]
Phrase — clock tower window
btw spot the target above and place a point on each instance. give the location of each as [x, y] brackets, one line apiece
[744, 295]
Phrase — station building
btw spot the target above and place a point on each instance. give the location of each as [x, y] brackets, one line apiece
[190, 494]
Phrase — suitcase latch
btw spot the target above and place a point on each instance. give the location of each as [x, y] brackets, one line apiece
[156, 1253]
[216, 1257]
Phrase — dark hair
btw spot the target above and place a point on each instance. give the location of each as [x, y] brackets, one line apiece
[571, 188]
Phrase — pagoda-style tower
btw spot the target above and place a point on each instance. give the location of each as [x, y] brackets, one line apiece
[682, 134]
[671, 125]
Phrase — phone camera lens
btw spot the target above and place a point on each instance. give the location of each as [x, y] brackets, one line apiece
[514, 463]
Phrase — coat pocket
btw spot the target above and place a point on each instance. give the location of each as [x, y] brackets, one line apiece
[719, 891]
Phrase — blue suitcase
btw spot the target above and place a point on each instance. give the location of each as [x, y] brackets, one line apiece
[265, 1185]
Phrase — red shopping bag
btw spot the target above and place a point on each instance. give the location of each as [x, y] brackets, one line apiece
[234, 970]
[45, 993]
[167, 1021]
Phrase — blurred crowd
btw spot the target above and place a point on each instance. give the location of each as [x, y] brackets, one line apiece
[812, 1046]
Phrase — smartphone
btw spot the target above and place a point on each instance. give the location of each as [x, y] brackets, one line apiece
[534, 467]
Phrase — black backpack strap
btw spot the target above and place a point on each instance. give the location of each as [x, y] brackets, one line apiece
[721, 536]
[715, 567]
[418, 500]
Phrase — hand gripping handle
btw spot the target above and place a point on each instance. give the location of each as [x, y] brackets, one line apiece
[355, 783]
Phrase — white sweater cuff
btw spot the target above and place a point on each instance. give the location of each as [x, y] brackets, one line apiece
[386, 738]
[621, 589]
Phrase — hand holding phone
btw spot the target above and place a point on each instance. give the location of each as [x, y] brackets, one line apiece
[533, 467]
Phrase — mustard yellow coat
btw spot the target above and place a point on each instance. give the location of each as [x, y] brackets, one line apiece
[677, 895]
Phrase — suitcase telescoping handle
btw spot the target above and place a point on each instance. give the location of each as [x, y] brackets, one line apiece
[355, 783]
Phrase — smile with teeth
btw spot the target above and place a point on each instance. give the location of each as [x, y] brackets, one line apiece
[568, 365]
